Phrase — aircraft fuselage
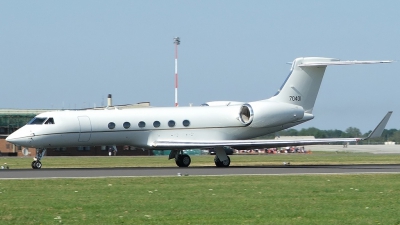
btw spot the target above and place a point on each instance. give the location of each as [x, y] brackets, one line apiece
[140, 127]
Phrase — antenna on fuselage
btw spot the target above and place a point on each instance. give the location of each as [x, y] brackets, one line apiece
[177, 41]
[109, 100]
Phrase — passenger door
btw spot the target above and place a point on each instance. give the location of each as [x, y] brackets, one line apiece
[85, 128]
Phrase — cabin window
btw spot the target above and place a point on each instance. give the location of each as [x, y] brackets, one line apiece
[186, 123]
[111, 125]
[49, 121]
[156, 124]
[141, 124]
[37, 120]
[171, 123]
[126, 125]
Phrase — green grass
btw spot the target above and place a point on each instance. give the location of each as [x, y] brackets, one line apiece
[305, 199]
[316, 158]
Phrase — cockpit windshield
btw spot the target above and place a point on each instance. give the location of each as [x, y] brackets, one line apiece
[41, 120]
[49, 121]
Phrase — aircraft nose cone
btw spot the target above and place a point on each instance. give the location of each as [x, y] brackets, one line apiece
[10, 138]
[18, 138]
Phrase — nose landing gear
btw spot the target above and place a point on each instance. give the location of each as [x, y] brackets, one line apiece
[36, 164]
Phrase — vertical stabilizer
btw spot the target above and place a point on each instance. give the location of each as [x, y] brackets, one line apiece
[302, 85]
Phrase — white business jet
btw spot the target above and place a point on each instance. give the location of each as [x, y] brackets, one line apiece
[212, 125]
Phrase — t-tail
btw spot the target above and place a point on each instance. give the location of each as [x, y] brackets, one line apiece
[304, 80]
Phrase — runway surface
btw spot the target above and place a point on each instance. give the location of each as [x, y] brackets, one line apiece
[213, 171]
[195, 171]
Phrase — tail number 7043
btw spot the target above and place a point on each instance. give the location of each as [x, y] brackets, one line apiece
[295, 98]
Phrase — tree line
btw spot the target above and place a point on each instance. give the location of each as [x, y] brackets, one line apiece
[351, 132]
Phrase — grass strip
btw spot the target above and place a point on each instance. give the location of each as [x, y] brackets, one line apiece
[305, 199]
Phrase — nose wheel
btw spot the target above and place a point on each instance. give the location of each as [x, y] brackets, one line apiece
[36, 164]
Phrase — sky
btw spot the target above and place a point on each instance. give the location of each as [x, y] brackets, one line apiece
[72, 54]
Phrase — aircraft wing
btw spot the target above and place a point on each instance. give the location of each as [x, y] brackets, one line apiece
[249, 144]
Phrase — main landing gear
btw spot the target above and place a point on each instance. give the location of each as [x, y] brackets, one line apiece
[183, 160]
[220, 163]
[221, 159]
[36, 164]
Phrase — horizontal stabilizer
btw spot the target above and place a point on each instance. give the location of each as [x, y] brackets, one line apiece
[333, 63]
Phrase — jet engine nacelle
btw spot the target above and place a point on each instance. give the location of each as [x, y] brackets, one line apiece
[269, 114]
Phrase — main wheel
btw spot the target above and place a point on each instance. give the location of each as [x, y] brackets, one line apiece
[220, 163]
[33, 164]
[183, 160]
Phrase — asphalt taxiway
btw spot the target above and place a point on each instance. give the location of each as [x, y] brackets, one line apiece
[195, 171]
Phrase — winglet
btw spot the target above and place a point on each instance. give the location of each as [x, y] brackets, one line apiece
[377, 132]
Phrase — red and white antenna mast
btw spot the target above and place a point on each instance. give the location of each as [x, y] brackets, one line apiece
[177, 41]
